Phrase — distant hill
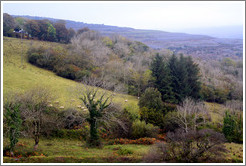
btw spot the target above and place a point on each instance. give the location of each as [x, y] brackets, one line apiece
[232, 32]
[195, 45]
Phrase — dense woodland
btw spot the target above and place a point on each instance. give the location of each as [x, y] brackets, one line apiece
[171, 89]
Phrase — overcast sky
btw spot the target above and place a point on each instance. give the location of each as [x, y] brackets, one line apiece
[169, 16]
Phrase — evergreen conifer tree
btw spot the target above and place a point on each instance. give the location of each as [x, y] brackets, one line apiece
[161, 73]
[193, 83]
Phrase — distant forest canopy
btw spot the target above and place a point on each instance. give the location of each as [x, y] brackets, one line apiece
[37, 29]
[129, 66]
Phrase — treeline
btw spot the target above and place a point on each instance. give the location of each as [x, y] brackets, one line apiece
[37, 29]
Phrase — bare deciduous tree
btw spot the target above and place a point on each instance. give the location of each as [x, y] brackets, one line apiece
[35, 113]
[188, 114]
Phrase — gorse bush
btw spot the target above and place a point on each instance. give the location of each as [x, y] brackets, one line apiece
[151, 107]
[233, 127]
[151, 98]
[132, 112]
[152, 116]
[141, 129]
[124, 151]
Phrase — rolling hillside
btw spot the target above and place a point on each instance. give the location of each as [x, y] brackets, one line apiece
[201, 46]
[18, 79]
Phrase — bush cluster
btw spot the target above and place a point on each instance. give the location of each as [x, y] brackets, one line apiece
[233, 127]
[57, 61]
[141, 129]
[152, 108]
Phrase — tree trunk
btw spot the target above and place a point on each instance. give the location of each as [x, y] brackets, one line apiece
[36, 134]
[94, 138]
[36, 142]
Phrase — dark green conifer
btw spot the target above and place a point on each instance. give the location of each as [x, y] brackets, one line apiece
[161, 74]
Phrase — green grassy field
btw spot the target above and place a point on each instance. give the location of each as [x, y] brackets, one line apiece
[75, 151]
[20, 79]
[64, 150]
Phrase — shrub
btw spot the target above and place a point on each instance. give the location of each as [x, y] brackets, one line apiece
[79, 75]
[120, 127]
[80, 134]
[151, 98]
[212, 94]
[124, 151]
[189, 147]
[233, 127]
[132, 112]
[151, 115]
[151, 107]
[71, 118]
[13, 119]
[168, 107]
[67, 71]
[141, 129]
[33, 57]
[169, 122]
[43, 57]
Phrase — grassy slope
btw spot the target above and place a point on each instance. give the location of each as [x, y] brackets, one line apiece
[18, 79]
